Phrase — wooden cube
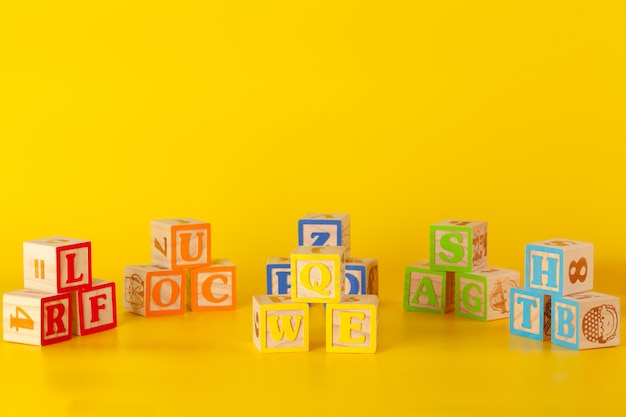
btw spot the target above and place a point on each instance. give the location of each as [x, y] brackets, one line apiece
[278, 275]
[318, 274]
[279, 324]
[212, 287]
[35, 317]
[361, 276]
[586, 320]
[57, 264]
[352, 325]
[426, 290]
[530, 314]
[325, 229]
[181, 243]
[559, 266]
[95, 308]
[485, 294]
[458, 245]
[151, 290]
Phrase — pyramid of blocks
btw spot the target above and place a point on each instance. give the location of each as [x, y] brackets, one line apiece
[557, 302]
[456, 277]
[181, 274]
[319, 271]
[60, 298]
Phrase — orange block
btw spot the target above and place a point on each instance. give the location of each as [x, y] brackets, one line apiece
[151, 290]
[212, 287]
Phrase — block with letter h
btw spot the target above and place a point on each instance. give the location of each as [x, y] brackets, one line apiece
[279, 324]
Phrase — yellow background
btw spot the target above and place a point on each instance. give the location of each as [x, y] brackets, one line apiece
[250, 115]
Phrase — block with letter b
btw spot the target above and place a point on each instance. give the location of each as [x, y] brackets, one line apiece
[181, 243]
[95, 308]
[485, 294]
[361, 276]
[559, 266]
[57, 264]
[36, 318]
[278, 275]
[352, 325]
[320, 229]
[212, 287]
[458, 245]
[530, 314]
[426, 290]
[279, 324]
[151, 290]
[318, 274]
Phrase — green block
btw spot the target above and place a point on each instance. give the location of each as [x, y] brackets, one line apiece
[485, 294]
[426, 290]
[458, 245]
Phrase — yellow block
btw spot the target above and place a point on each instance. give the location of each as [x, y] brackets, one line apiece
[352, 325]
[279, 324]
[318, 274]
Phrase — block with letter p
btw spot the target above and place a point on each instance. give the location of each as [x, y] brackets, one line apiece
[279, 324]
[361, 276]
[458, 245]
[278, 275]
[95, 308]
[485, 294]
[325, 229]
[181, 243]
[318, 274]
[352, 325]
[530, 314]
[212, 287]
[151, 290]
[426, 290]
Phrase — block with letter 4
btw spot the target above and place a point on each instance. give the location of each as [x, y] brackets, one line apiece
[318, 274]
[426, 290]
[212, 287]
[361, 276]
[485, 294]
[458, 245]
[181, 243]
[150, 290]
[352, 325]
[95, 308]
[530, 314]
[325, 229]
[279, 324]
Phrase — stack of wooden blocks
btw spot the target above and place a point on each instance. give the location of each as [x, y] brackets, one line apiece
[181, 274]
[319, 271]
[457, 276]
[557, 303]
[60, 298]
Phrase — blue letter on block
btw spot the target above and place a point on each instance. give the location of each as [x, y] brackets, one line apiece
[527, 311]
[564, 322]
[546, 281]
[283, 278]
[355, 275]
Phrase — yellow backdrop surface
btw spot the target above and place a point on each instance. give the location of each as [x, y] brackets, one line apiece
[249, 115]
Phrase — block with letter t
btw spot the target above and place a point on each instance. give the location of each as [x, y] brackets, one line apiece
[181, 243]
[95, 308]
[279, 324]
[458, 245]
[531, 314]
[325, 229]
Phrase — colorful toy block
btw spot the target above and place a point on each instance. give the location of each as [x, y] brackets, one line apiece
[484, 294]
[36, 318]
[278, 275]
[352, 325]
[94, 308]
[181, 243]
[428, 291]
[458, 245]
[321, 229]
[586, 320]
[151, 290]
[318, 274]
[361, 276]
[57, 264]
[530, 314]
[279, 324]
[559, 266]
[212, 287]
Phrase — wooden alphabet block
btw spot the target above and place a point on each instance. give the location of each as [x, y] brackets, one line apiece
[361, 276]
[352, 325]
[530, 314]
[278, 275]
[458, 245]
[325, 229]
[57, 264]
[428, 291]
[279, 324]
[586, 320]
[485, 294]
[559, 266]
[151, 290]
[95, 309]
[35, 317]
[181, 243]
[212, 287]
[318, 274]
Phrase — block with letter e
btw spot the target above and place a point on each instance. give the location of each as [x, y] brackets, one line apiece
[212, 287]
[458, 245]
[426, 290]
[317, 274]
[95, 308]
[180, 243]
[279, 324]
[352, 325]
[485, 294]
[530, 314]
[151, 290]
[325, 229]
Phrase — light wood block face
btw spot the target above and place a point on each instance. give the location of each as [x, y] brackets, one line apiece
[559, 266]
[458, 245]
[95, 308]
[426, 290]
[279, 324]
[485, 294]
[352, 325]
[36, 318]
[361, 276]
[151, 290]
[57, 264]
[213, 287]
[318, 273]
[325, 229]
[278, 275]
[180, 243]
[530, 314]
[586, 320]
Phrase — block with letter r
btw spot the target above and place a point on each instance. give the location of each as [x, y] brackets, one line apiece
[458, 245]
[325, 229]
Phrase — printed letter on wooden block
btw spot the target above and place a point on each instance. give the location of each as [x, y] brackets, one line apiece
[427, 290]
[213, 287]
[36, 318]
[458, 245]
[352, 325]
[318, 274]
[57, 264]
[95, 308]
[278, 275]
[279, 324]
[325, 230]
[530, 314]
[150, 290]
[559, 266]
[181, 243]
[361, 276]
[484, 294]
[586, 320]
